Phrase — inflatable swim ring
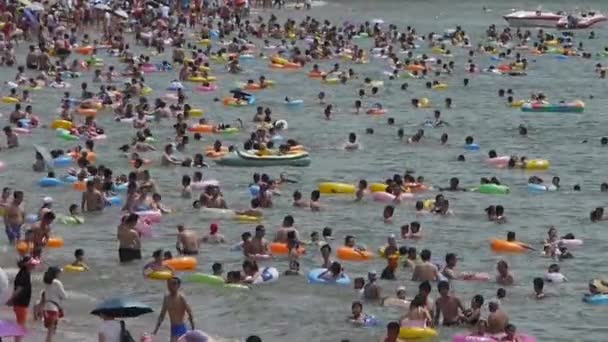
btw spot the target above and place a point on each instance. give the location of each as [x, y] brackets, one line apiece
[181, 263]
[336, 188]
[349, 254]
[506, 246]
[313, 278]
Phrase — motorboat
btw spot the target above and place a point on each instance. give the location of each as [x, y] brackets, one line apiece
[582, 20]
[533, 19]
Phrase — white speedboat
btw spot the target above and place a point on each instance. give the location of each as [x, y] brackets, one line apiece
[582, 21]
[533, 19]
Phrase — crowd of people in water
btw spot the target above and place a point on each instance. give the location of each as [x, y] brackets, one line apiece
[69, 45]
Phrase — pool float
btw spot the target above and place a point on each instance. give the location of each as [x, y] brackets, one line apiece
[91, 156]
[278, 248]
[201, 79]
[113, 200]
[21, 130]
[416, 67]
[63, 124]
[229, 130]
[231, 101]
[537, 164]
[147, 91]
[316, 74]
[267, 275]
[245, 158]
[202, 278]
[331, 81]
[570, 107]
[473, 338]
[520, 337]
[196, 112]
[79, 186]
[376, 111]
[294, 103]
[54, 242]
[86, 111]
[417, 333]
[506, 246]
[249, 219]
[440, 86]
[501, 161]
[349, 254]
[84, 50]
[313, 278]
[123, 187]
[73, 269]
[596, 299]
[10, 100]
[377, 187]
[471, 147]
[210, 87]
[537, 187]
[71, 219]
[205, 42]
[570, 242]
[160, 275]
[383, 196]
[517, 103]
[153, 216]
[424, 103]
[493, 189]
[47, 182]
[181, 263]
[174, 86]
[201, 128]
[336, 188]
[204, 184]
[415, 187]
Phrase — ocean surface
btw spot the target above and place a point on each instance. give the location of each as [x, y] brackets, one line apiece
[291, 309]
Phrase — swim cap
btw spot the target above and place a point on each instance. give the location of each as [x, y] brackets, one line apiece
[47, 200]
[214, 228]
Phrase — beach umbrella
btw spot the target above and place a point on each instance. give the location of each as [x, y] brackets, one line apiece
[120, 307]
[10, 329]
[48, 159]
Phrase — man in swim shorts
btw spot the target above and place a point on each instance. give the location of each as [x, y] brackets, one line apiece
[176, 304]
[129, 243]
[14, 218]
[187, 241]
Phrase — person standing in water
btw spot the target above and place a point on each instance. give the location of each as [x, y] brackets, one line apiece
[177, 306]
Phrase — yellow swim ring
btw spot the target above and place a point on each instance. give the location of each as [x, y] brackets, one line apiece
[336, 188]
[72, 268]
[537, 164]
[160, 275]
[377, 187]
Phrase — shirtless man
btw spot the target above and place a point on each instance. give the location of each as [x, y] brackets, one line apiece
[447, 305]
[213, 236]
[497, 319]
[129, 243]
[92, 199]
[187, 241]
[31, 60]
[392, 332]
[257, 247]
[168, 158]
[426, 270]
[286, 227]
[504, 276]
[176, 304]
[14, 217]
[42, 229]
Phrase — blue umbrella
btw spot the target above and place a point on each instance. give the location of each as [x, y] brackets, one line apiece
[120, 307]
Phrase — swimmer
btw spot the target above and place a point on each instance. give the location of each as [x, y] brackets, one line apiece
[387, 214]
[177, 306]
[187, 242]
[361, 190]
[357, 317]
[257, 247]
[454, 185]
[497, 319]
[213, 237]
[426, 270]
[352, 143]
[333, 273]
[504, 276]
[79, 259]
[447, 306]
[156, 265]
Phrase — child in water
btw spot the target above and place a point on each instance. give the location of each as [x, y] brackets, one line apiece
[79, 259]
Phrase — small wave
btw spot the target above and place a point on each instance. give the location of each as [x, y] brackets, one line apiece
[314, 4]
